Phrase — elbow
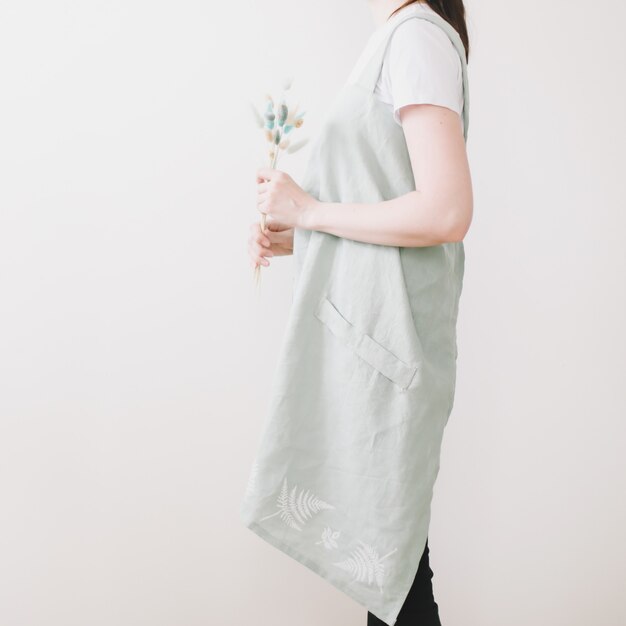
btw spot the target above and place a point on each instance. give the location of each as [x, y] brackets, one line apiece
[457, 233]
[458, 223]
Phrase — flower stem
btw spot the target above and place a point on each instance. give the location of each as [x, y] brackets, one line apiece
[257, 269]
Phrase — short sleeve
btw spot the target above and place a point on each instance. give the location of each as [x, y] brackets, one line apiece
[422, 66]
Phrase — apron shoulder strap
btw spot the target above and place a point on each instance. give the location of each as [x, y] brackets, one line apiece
[368, 78]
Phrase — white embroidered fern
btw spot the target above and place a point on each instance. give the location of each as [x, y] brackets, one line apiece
[329, 538]
[365, 565]
[296, 510]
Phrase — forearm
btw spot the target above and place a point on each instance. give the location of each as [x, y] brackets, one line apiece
[410, 220]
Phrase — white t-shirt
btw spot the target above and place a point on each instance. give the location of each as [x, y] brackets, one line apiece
[421, 64]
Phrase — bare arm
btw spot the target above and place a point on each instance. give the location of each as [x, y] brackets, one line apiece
[440, 210]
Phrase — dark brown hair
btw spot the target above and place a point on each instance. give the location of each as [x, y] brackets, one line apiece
[453, 11]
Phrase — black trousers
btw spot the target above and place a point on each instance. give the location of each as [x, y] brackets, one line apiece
[419, 608]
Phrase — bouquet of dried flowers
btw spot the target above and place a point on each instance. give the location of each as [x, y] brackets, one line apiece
[278, 122]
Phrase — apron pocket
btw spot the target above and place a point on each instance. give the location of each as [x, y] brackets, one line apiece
[365, 346]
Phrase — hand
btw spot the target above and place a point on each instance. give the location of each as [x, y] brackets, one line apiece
[277, 240]
[282, 199]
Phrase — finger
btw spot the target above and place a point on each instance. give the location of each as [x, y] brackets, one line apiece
[263, 240]
[257, 259]
[275, 225]
[263, 251]
[259, 250]
[265, 173]
[257, 235]
[261, 261]
[281, 238]
[274, 236]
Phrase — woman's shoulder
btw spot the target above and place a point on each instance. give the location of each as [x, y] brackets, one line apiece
[421, 65]
[420, 41]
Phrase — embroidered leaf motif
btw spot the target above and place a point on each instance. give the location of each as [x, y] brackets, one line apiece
[365, 565]
[329, 538]
[296, 508]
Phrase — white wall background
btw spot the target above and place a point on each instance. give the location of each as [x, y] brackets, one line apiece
[135, 354]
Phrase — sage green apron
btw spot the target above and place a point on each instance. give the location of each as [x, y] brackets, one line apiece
[365, 381]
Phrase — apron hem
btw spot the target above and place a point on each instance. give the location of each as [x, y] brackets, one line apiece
[288, 549]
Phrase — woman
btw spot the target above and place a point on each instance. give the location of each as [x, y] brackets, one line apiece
[365, 381]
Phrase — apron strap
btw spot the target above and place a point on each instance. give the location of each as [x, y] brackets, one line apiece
[369, 76]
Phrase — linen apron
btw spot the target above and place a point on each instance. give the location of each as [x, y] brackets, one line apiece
[344, 474]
